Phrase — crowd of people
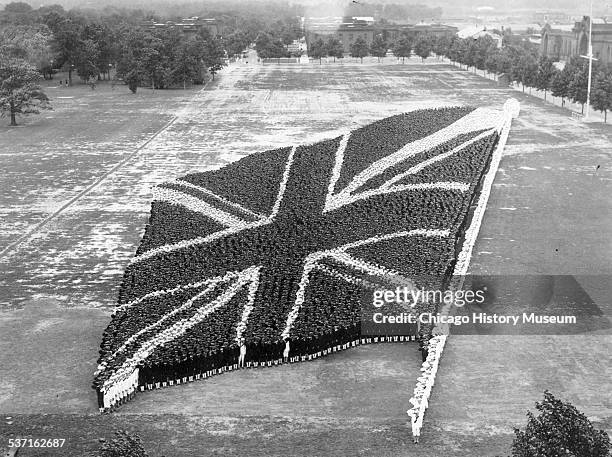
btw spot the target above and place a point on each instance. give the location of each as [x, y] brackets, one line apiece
[177, 368]
[164, 292]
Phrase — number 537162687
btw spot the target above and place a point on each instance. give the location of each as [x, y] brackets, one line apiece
[36, 442]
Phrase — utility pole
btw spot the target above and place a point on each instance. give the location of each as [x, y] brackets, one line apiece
[591, 58]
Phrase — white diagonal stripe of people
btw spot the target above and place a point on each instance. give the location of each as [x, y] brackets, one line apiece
[248, 307]
[175, 197]
[169, 334]
[232, 229]
[478, 119]
[360, 265]
[474, 121]
[211, 283]
[225, 201]
[438, 158]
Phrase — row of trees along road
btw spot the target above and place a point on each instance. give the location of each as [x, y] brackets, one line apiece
[403, 47]
[519, 62]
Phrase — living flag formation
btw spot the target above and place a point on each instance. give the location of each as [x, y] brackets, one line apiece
[273, 258]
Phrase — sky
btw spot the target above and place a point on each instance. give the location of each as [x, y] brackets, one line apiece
[576, 7]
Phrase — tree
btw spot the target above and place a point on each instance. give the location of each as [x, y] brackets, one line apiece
[492, 62]
[423, 47]
[263, 44]
[578, 84]
[269, 46]
[29, 42]
[544, 74]
[524, 70]
[334, 48]
[359, 48]
[236, 43]
[499, 61]
[105, 39]
[87, 60]
[378, 48]
[165, 58]
[123, 445]
[137, 54]
[485, 46]
[317, 50]
[67, 43]
[188, 65]
[559, 84]
[441, 45]
[559, 430]
[132, 79]
[402, 48]
[18, 7]
[458, 50]
[150, 62]
[601, 96]
[469, 57]
[19, 89]
[213, 56]
[287, 29]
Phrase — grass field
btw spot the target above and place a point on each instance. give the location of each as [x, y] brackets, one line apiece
[76, 196]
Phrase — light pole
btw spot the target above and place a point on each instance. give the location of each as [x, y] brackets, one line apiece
[590, 57]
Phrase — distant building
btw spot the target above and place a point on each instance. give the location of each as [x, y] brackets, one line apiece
[551, 17]
[478, 32]
[346, 29]
[349, 29]
[563, 43]
[365, 19]
[189, 26]
[392, 33]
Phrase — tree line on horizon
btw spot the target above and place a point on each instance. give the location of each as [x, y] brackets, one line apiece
[403, 47]
[36, 42]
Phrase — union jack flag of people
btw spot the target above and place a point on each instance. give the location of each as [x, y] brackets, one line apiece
[285, 245]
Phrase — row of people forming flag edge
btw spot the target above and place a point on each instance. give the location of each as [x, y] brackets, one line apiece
[429, 369]
[234, 359]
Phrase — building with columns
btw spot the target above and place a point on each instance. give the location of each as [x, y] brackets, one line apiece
[346, 29]
[563, 43]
